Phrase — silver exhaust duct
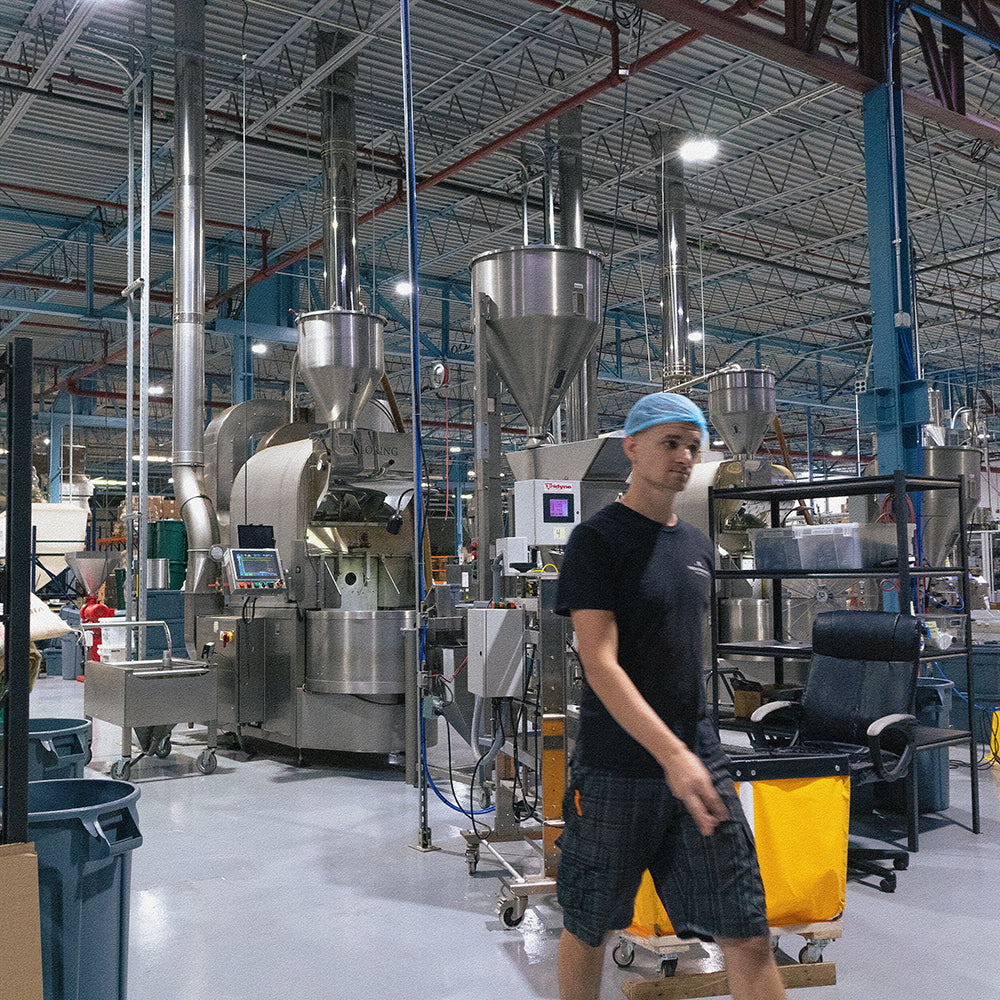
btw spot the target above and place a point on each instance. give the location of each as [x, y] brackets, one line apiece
[673, 256]
[340, 347]
[189, 294]
[340, 176]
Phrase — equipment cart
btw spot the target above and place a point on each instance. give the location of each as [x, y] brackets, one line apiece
[153, 694]
[798, 806]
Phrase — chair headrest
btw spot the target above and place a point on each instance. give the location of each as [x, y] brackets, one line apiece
[867, 635]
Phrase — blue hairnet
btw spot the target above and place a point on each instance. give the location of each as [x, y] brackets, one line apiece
[663, 408]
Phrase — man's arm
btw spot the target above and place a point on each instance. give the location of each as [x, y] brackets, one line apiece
[688, 778]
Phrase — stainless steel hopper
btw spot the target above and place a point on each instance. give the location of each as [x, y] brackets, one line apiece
[539, 308]
[939, 518]
[93, 568]
[741, 406]
[340, 360]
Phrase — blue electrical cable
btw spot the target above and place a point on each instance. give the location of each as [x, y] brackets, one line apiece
[434, 788]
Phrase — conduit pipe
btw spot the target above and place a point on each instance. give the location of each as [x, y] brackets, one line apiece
[188, 458]
[673, 256]
[581, 417]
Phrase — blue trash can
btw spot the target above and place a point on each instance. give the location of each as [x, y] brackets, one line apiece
[53, 659]
[931, 769]
[57, 748]
[933, 709]
[84, 833]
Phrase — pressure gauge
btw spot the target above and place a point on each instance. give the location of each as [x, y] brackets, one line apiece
[217, 553]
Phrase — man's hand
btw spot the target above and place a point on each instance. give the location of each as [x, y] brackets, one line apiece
[689, 780]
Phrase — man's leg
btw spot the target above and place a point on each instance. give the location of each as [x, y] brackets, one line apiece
[580, 968]
[752, 971]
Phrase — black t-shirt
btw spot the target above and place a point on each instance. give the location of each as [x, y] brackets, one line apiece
[657, 580]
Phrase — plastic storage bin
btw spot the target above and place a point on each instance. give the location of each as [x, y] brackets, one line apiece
[775, 548]
[84, 833]
[829, 546]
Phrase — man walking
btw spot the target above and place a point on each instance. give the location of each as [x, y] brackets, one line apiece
[650, 786]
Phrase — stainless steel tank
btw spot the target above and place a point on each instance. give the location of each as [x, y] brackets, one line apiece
[939, 520]
[741, 406]
[357, 652]
[341, 361]
[540, 311]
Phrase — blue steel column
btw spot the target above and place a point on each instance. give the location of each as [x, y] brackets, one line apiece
[896, 401]
[242, 369]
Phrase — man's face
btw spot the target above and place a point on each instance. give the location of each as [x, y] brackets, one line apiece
[663, 456]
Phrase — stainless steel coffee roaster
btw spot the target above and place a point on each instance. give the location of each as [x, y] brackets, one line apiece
[320, 659]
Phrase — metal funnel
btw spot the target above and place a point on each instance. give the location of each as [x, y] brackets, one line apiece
[92, 568]
[539, 308]
[939, 523]
[341, 361]
[741, 407]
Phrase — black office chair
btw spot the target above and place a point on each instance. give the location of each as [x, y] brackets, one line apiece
[858, 699]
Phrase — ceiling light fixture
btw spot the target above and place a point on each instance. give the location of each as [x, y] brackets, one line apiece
[699, 149]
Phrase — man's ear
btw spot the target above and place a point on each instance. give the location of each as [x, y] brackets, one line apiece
[628, 446]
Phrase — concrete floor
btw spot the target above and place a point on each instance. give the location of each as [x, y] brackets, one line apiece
[267, 879]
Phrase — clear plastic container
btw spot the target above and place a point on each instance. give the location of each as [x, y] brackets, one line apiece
[878, 545]
[775, 548]
[828, 546]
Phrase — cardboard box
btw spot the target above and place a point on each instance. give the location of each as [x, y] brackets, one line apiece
[21, 942]
[747, 701]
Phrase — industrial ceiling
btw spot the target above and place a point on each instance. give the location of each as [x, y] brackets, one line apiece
[777, 224]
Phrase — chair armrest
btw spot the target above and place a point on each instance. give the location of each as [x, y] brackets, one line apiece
[898, 723]
[783, 712]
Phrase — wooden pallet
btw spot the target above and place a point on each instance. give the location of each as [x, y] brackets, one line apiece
[716, 984]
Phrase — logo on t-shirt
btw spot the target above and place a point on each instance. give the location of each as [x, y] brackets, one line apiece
[700, 570]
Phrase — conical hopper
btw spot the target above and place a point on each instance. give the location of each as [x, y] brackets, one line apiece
[741, 406]
[92, 568]
[539, 308]
[939, 522]
[341, 361]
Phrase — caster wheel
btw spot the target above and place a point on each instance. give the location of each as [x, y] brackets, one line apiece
[207, 761]
[888, 884]
[163, 747]
[668, 967]
[121, 769]
[810, 955]
[901, 864]
[623, 954]
[512, 912]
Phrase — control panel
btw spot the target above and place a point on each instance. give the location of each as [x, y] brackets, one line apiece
[254, 570]
[546, 510]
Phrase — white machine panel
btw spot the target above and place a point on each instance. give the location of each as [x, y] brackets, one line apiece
[511, 551]
[496, 652]
[546, 510]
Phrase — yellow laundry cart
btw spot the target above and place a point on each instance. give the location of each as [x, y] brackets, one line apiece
[798, 806]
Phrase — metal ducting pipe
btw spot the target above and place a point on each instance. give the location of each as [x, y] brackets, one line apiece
[340, 176]
[671, 201]
[189, 294]
[581, 412]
